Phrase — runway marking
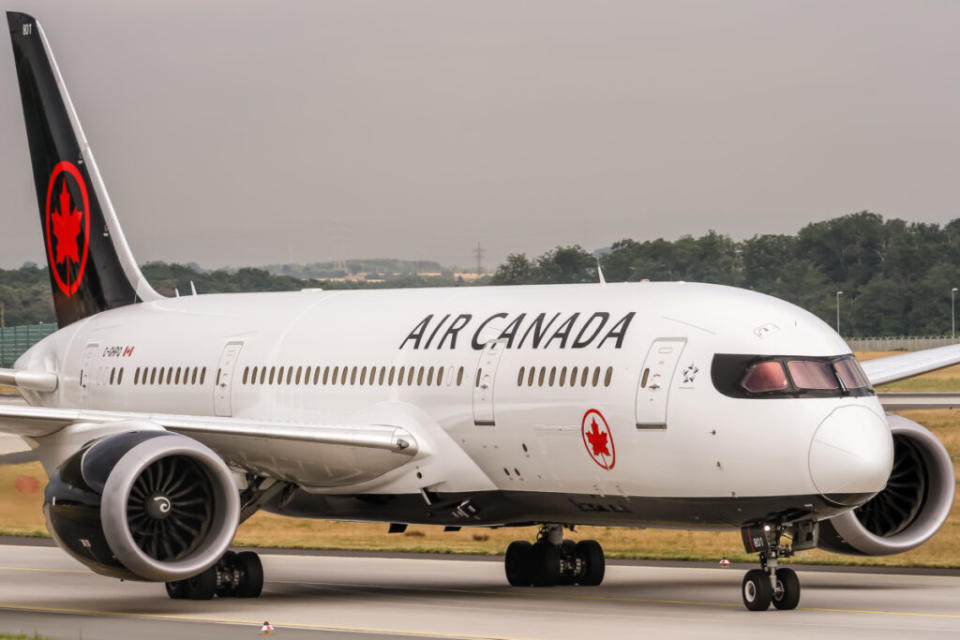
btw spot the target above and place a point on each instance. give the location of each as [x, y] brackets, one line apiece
[568, 596]
[528, 594]
[276, 625]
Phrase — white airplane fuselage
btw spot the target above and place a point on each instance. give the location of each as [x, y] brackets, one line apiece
[520, 445]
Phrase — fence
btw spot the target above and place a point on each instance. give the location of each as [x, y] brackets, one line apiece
[901, 343]
[15, 340]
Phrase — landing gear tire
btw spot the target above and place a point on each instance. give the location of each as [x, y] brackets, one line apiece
[787, 594]
[202, 586]
[251, 575]
[518, 563]
[756, 590]
[177, 590]
[568, 552]
[593, 565]
[546, 563]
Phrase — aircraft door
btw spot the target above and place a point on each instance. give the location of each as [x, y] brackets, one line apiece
[87, 374]
[483, 387]
[222, 394]
[656, 375]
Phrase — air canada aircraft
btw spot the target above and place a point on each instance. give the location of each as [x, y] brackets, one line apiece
[163, 423]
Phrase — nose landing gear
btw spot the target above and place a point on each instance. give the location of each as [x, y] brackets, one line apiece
[770, 583]
[554, 561]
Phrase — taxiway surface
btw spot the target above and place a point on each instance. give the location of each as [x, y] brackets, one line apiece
[371, 596]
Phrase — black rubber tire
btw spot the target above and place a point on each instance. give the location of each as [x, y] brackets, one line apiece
[227, 564]
[787, 595]
[594, 564]
[755, 590]
[568, 552]
[202, 586]
[518, 563]
[546, 563]
[251, 575]
[177, 590]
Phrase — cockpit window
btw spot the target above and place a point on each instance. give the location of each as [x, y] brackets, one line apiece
[764, 377]
[851, 374]
[752, 376]
[810, 374]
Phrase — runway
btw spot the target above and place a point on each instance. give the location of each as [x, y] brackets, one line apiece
[372, 596]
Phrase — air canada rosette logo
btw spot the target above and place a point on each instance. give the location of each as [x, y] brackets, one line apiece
[598, 439]
[67, 226]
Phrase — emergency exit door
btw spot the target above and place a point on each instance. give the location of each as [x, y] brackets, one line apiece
[222, 395]
[656, 377]
[483, 413]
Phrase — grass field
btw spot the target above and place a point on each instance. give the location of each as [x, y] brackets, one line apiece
[21, 497]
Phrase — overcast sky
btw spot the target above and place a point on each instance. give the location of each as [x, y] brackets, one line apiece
[244, 133]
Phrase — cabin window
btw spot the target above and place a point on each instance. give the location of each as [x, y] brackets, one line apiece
[363, 375]
[372, 380]
[400, 375]
[343, 375]
[553, 375]
[316, 375]
[353, 375]
[289, 375]
[520, 377]
[543, 373]
[459, 376]
[531, 375]
[430, 376]
[420, 376]
[439, 375]
[608, 377]
[169, 374]
[410, 372]
[299, 375]
[563, 377]
[273, 375]
[136, 376]
[120, 376]
[203, 374]
[584, 374]
[383, 372]
[177, 378]
[596, 375]
[326, 374]
[113, 374]
[573, 376]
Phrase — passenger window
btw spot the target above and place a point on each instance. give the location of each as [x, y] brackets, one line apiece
[273, 374]
[353, 375]
[596, 375]
[336, 375]
[343, 375]
[583, 376]
[300, 375]
[573, 376]
[530, 376]
[608, 377]
[400, 377]
[136, 376]
[160, 377]
[383, 372]
[363, 375]
[439, 375]
[289, 375]
[153, 375]
[430, 376]
[420, 376]
[643, 379]
[553, 375]
[177, 378]
[169, 374]
[263, 376]
[459, 376]
[373, 376]
[316, 375]
[280, 375]
[120, 376]
[390, 379]
[563, 377]
[543, 373]
[476, 382]
[113, 374]
[203, 375]
[410, 372]
[326, 374]
[520, 377]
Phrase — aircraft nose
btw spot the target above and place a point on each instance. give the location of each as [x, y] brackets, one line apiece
[851, 454]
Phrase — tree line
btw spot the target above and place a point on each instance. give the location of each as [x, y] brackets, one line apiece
[896, 277]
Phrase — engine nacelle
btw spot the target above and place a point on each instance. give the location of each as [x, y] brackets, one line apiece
[143, 505]
[913, 506]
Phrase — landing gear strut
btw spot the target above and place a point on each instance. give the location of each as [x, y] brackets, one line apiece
[770, 583]
[554, 561]
[236, 575]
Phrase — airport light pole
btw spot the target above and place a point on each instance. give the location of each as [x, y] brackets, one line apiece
[839, 293]
[953, 313]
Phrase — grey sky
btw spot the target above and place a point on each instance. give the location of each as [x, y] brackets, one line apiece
[235, 133]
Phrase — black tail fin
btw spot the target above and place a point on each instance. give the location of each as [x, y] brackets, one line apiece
[91, 266]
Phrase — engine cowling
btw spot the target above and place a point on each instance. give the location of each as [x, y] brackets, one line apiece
[143, 505]
[913, 506]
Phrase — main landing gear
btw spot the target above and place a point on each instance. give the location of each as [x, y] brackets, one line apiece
[236, 575]
[551, 560]
[770, 583]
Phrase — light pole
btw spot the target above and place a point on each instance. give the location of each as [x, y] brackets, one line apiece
[953, 313]
[839, 293]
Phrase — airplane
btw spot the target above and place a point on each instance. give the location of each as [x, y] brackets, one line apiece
[163, 423]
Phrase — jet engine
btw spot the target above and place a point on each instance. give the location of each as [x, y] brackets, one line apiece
[143, 505]
[913, 506]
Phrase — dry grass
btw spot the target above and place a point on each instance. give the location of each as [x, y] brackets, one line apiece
[20, 514]
[7, 391]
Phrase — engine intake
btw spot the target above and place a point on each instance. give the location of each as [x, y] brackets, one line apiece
[144, 505]
[913, 506]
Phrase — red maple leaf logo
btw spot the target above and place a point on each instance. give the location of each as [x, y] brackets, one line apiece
[66, 228]
[598, 440]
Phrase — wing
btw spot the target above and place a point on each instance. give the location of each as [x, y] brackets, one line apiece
[306, 454]
[907, 365]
